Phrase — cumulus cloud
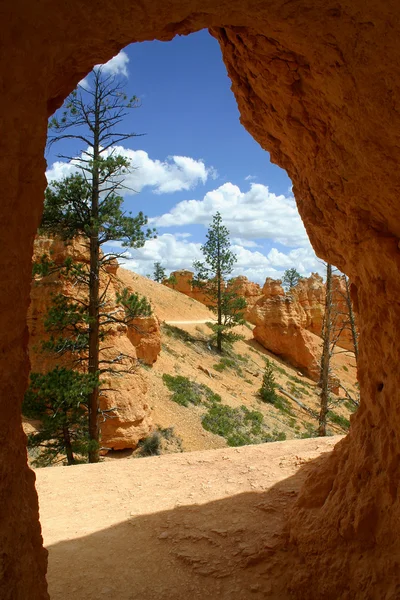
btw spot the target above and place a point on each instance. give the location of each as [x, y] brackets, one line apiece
[175, 253]
[118, 65]
[251, 215]
[174, 174]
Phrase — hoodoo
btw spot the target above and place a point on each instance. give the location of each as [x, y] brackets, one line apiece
[317, 85]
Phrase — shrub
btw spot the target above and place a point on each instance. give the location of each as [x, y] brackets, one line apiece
[225, 363]
[267, 391]
[187, 392]
[237, 425]
[338, 420]
[151, 446]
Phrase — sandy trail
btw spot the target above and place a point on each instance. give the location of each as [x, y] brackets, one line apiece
[198, 322]
[195, 525]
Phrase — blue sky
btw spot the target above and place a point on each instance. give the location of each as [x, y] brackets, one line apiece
[196, 158]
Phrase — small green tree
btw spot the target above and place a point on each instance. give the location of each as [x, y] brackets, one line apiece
[159, 272]
[59, 400]
[291, 278]
[211, 277]
[267, 391]
[87, 204]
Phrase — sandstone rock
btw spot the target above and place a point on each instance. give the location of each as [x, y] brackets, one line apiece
[250, 291]
[145, 334]
[131, 421]
[272, 287]
[317, 86]
[278, 327]
[184, 284]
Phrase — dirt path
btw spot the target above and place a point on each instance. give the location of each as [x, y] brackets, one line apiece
[175, 527]
[198, 322]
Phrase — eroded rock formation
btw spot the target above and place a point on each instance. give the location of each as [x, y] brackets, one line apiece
[317, 85]
[279, 327]
[290, 325]
[131, 421]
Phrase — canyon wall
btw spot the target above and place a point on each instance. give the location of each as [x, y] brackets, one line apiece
[317, 85]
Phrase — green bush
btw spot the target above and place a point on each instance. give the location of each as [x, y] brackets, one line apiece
[151, 446]
[186, 392]
[338, 420]
[239, 426]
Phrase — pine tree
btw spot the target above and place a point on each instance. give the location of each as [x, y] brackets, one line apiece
[211, 277]
[59, 400]
[267, 391]
[88, 205]
[291, 278]
[159, 272]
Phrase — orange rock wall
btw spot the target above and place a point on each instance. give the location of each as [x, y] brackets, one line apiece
[290, 325]
[131, 422]
[317, 84]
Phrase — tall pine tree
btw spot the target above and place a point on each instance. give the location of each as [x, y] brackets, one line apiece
[88, 205]
[211, 277]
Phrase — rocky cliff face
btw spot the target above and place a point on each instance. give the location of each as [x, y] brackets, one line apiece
[140, 340]
[290, 324]
[279, 326]
[287, 324]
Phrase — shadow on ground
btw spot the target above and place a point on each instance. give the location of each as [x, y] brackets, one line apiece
[231, 548]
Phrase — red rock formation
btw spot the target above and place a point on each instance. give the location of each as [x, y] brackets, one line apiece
[182, 281]
[131, 421]
[279, 327]
[310, 294]
[144, 333]
[290, 325]
[317, 86]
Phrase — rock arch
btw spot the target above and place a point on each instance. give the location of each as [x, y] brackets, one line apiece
[317, 85]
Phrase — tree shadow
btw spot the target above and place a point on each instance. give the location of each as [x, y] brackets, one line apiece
[236, 547]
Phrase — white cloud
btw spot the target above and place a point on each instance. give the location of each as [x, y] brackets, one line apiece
[245, 243]
[176, 253]
[250, 177]
[251, 215]
[174, 174]
[84, 83]
[118, 65]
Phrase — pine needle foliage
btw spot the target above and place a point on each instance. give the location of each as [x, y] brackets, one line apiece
[88, 205]
[211, 277]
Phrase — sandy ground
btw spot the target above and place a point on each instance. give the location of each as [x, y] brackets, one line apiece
[198, 525]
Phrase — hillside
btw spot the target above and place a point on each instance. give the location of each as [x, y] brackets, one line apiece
[185, 352]
[187, 397]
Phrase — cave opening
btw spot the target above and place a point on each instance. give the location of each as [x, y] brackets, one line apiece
[320, 99]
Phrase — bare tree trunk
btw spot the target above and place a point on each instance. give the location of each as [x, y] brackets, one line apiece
[325, 358]
[68, 445]
[94, 287]
[352, 320]
[219, 300]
